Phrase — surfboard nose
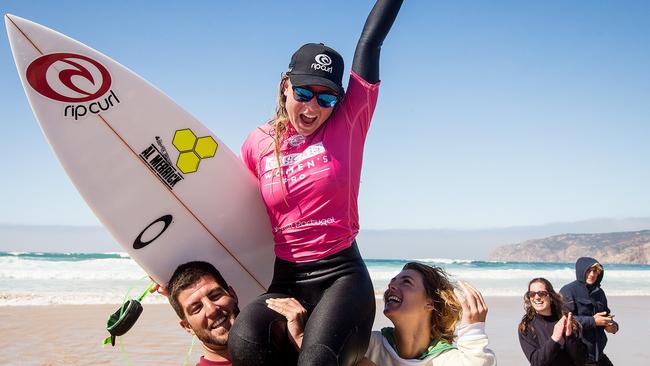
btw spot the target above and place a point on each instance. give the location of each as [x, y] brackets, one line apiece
[15, 20]
[11, 23]
[10, 18]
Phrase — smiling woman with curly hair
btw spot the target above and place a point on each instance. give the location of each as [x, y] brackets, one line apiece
[425, 308]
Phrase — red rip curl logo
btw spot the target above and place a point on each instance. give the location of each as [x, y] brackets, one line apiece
[75, 66]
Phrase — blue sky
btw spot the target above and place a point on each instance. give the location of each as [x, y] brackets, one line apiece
[491, 114]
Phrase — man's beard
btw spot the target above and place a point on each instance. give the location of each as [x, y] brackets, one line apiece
[211, 340]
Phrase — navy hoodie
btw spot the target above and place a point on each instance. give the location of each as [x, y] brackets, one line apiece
[584, 301]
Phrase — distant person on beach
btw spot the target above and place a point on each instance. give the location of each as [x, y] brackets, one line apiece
[425, 309]
[587, 302]
[207, 308]
[547, 337]
[307, 161]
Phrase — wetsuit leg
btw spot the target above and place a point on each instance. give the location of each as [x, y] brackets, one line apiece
[338, 330]
[259, 336]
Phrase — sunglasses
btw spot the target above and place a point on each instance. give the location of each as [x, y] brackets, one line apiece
[532, 294]
[325, 100]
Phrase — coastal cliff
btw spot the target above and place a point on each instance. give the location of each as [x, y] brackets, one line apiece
[623, 247]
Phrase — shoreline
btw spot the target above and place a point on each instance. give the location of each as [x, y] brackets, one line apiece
[72, 334]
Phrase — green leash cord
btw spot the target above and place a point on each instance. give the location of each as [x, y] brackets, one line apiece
[123, 319]
[189, 352]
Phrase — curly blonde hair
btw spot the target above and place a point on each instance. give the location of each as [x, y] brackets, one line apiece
[280, 121]
[447, 310]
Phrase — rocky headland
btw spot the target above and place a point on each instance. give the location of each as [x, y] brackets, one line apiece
[631, 247]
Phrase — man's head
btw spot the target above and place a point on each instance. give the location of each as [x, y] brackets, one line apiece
[589, 271]
[204, 302]
[593, 273]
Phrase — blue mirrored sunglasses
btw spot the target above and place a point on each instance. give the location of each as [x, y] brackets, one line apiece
[325, 100]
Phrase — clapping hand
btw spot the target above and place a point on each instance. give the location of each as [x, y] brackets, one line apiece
[560, 329]
[563, 328]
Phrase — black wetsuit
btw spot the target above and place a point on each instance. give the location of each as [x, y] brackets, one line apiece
[336, 291]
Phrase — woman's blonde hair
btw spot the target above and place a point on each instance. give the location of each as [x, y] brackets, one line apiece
[278, 126]
[447, 310]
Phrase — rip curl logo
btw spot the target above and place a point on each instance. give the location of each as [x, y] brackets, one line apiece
[72, 78]
[296, 140]
[322, 63]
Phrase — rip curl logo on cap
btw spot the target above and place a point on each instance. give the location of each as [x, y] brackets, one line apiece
[322, 63]
[68, 77]
[323, 59]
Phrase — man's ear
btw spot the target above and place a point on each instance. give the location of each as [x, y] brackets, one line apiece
[186, 326]
[232, 293]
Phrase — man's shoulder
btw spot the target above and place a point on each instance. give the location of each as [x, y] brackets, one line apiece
[570, 287]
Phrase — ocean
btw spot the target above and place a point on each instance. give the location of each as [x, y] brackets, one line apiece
[30, 278]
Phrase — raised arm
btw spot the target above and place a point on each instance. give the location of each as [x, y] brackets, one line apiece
[366, 56]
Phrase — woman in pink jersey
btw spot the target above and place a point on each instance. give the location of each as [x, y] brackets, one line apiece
[308, 164]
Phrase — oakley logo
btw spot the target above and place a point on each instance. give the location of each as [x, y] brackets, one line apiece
[68, 77]
[166, 220]
[322, 61]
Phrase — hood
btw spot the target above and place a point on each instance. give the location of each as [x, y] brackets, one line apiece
[582, 264]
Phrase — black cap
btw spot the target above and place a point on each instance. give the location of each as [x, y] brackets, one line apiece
[317, 64]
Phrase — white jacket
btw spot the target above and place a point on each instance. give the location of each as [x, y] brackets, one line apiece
[471, 350]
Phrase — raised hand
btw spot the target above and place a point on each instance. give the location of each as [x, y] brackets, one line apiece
[568, 327]
[474, 307]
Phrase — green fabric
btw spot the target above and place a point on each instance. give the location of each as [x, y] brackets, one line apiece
[434, 348]
[106, 341]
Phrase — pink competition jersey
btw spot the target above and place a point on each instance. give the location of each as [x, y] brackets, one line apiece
[316, 214]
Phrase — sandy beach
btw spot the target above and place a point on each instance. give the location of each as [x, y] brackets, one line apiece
[72, 334]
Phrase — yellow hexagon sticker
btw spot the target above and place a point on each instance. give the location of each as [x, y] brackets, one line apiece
[188, 162]
[192, 149]
[184, 140]
[206, 147]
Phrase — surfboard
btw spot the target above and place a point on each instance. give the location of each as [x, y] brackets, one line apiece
[167, 188]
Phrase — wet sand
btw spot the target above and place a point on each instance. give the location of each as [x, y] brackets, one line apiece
[72, 334]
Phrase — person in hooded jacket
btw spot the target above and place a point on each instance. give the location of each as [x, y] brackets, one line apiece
[587, 301]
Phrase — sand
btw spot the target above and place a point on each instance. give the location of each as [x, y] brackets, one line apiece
[72, 334]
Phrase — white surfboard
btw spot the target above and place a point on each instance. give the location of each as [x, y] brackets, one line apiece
[166, 187]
